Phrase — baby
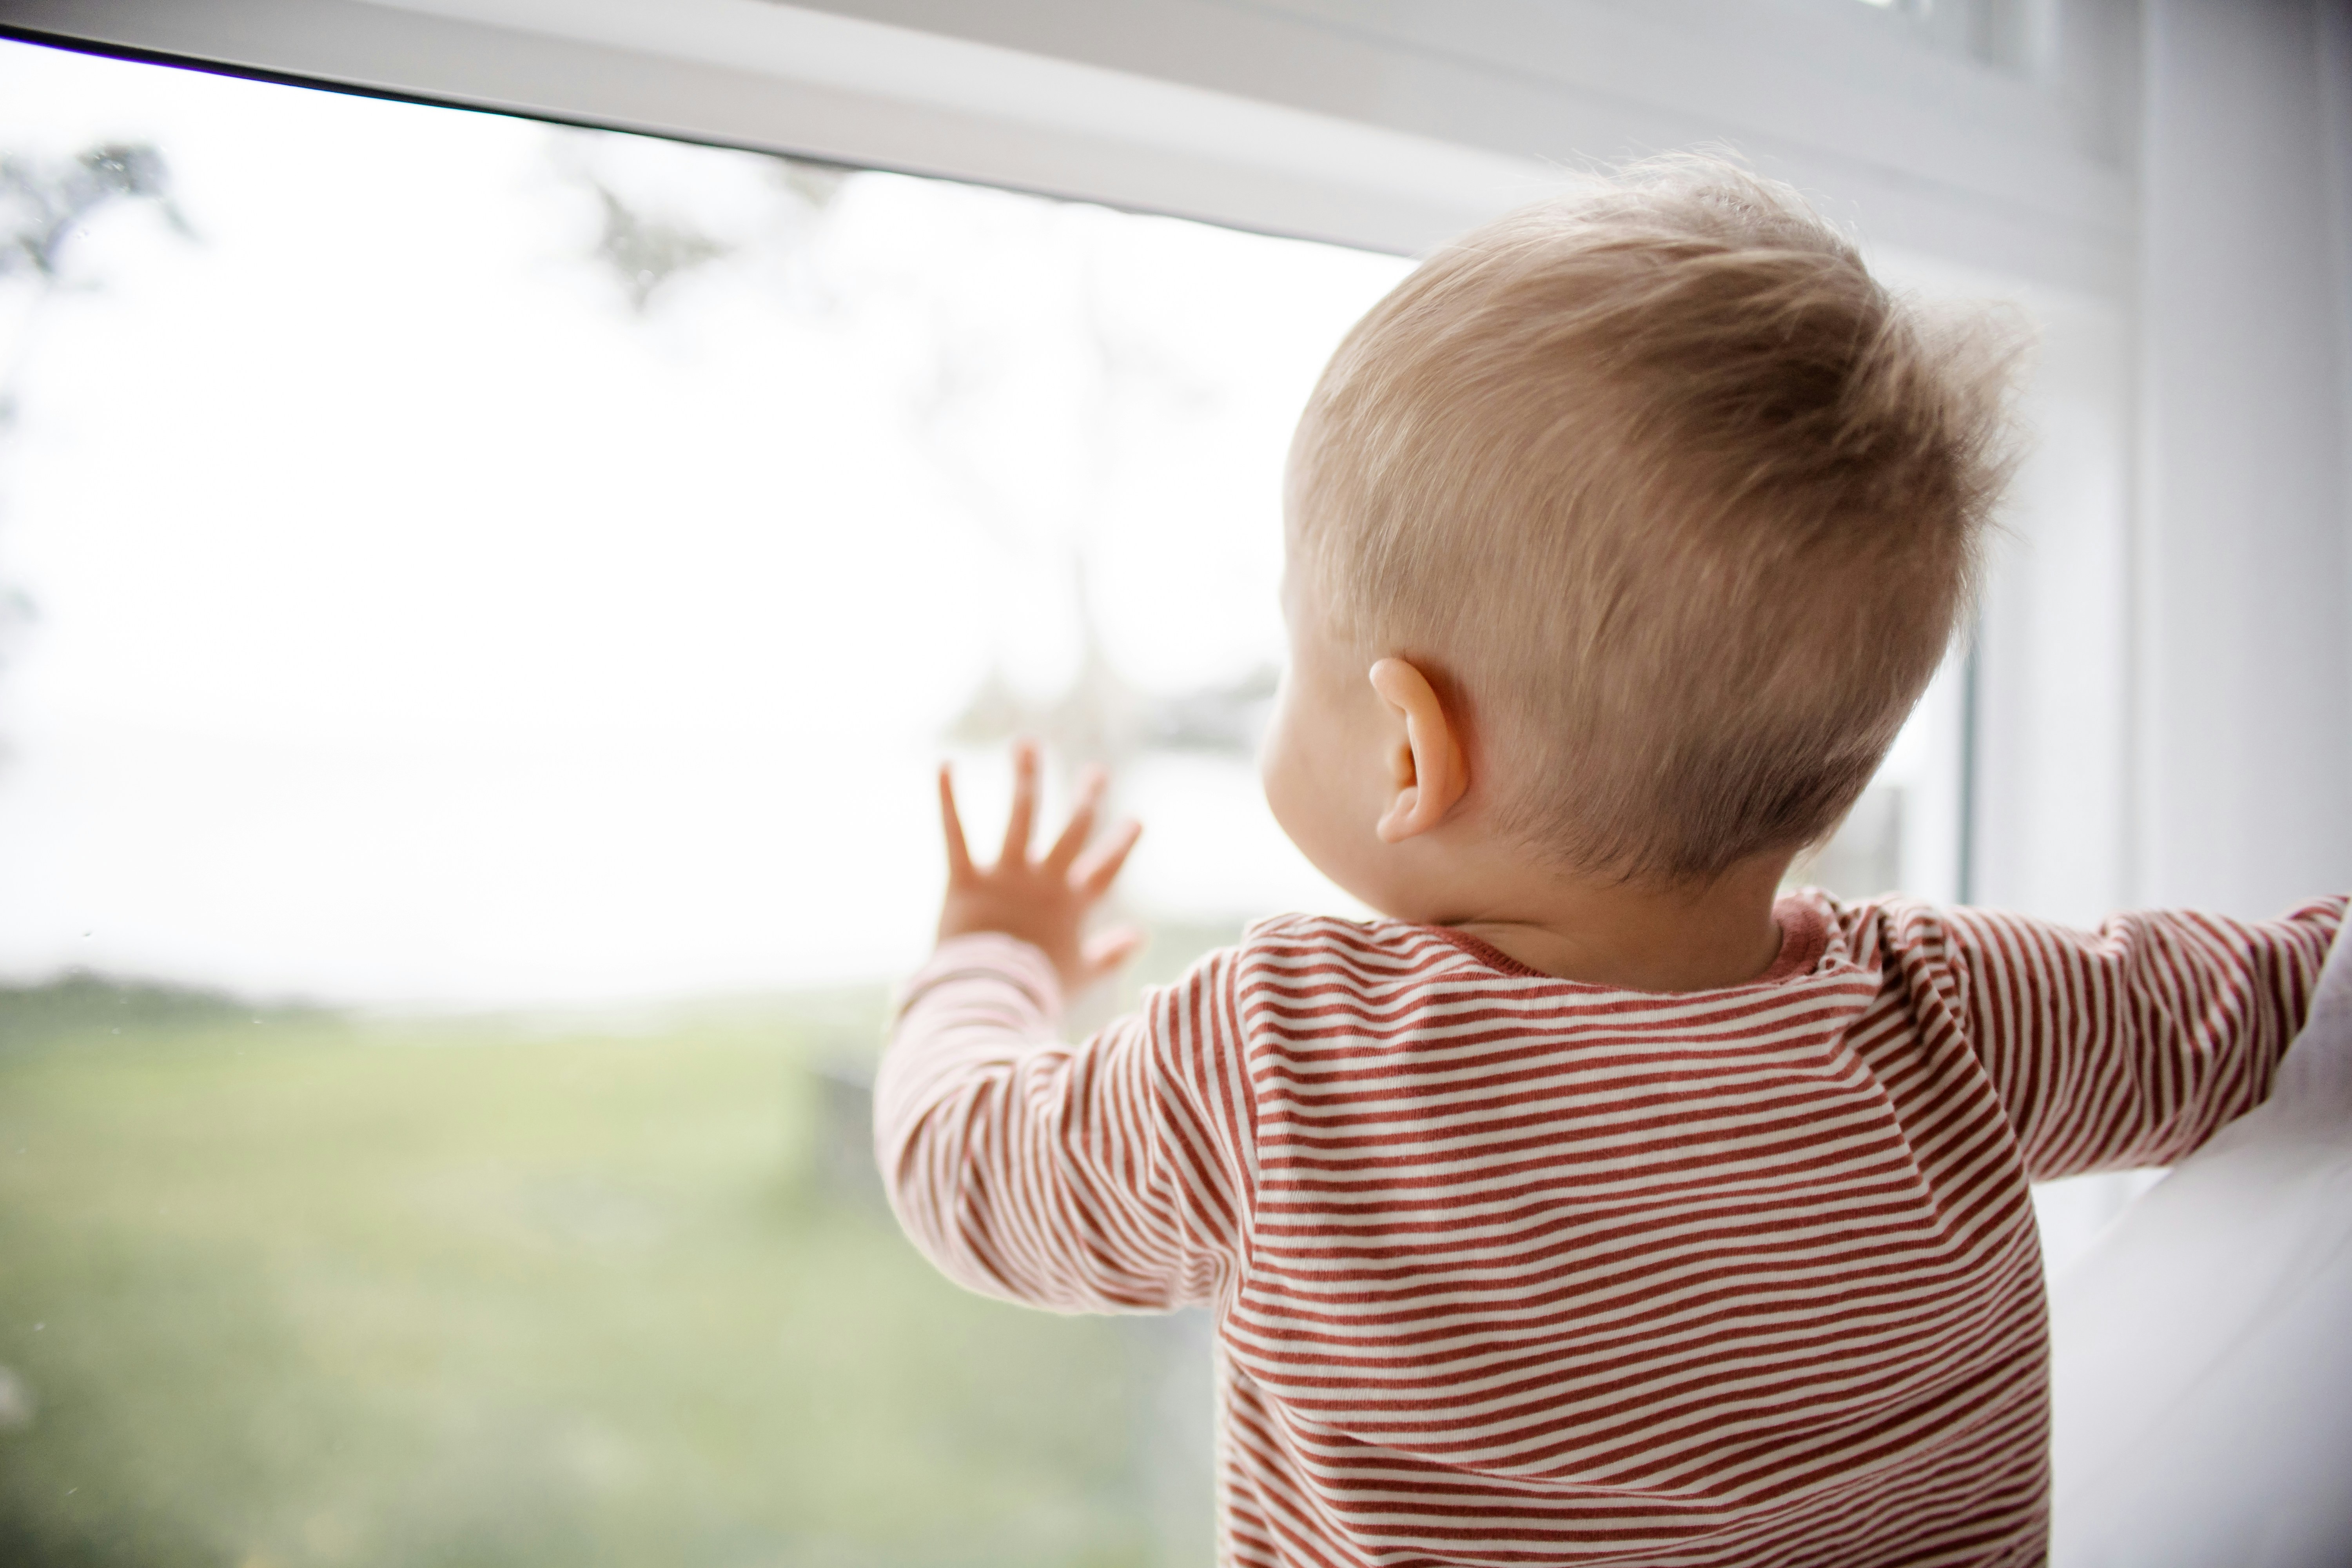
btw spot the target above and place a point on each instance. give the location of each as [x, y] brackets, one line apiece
[1599, 1204]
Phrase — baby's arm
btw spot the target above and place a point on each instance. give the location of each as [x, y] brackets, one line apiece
[2133, 1044]
[1024, 1168]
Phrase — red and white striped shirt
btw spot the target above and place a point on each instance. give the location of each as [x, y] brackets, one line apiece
[1513, 1270]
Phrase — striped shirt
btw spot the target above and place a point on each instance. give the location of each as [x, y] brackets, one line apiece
[1514, 1270]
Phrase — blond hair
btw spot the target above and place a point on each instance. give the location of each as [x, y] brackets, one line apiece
[1676, 504]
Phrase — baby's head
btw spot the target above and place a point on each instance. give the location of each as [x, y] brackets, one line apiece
[1670, 507]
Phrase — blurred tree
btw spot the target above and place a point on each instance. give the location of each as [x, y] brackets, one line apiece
[1100, 716]
[45, 207]
[644, 241]
[652, 234]
[644, 253]
[46, 204]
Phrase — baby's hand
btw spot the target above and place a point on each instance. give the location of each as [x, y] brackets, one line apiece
[1040, 901]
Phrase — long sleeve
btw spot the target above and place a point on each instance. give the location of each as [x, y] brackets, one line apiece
[2130, 1044]
[1069, 1177]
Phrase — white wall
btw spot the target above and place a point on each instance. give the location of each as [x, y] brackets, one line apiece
[2053, 829]
[2243, 650]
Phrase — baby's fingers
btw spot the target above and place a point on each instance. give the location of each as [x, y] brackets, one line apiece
[951, 824]
[1093, 876]
[1024, 805]
[1081, 826]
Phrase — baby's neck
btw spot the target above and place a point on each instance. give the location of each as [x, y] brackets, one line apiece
[1639, 938]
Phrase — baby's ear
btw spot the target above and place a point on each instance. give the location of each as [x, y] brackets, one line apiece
[1438, 774]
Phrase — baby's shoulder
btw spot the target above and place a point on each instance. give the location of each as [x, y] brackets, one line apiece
[1864, 933]
[1376, 954]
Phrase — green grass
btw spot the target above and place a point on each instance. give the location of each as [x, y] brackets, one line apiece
[291, 1289]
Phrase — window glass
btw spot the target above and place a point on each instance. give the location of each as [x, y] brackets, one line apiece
[482, 603]
[487, 600]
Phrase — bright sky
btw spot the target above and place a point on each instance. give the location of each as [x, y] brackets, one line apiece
[415, 624]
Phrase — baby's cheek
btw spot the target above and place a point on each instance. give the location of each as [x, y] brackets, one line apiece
[1277, 752]
[1300, 782]
[1282, 770]
[1277, 768]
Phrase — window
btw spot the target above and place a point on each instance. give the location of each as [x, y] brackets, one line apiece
[491, 596]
